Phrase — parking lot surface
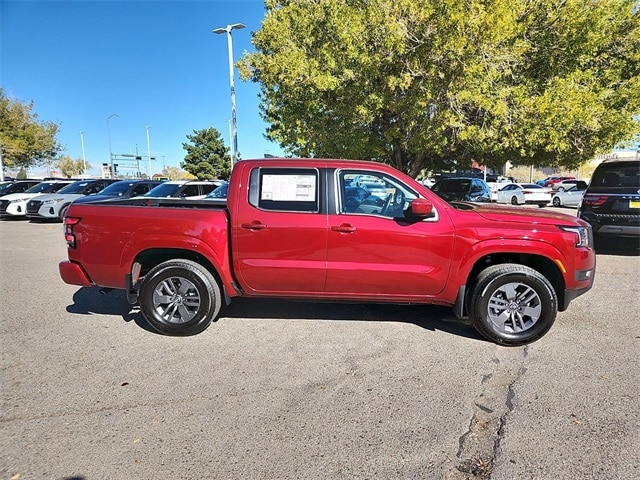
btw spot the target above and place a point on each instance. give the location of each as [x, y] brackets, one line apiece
[283, 390]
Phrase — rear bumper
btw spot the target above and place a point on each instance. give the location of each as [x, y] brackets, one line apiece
[617, 224]
[621, 230]
[74, 274]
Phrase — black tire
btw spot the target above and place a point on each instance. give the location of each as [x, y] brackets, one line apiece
[512, 304]
[63, 211]
[514, 200]
[180, 297]
[556, 202]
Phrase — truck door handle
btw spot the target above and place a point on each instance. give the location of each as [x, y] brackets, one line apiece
[255, 225]
[344, 228]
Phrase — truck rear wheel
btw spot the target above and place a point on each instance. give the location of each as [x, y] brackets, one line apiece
[180, 297]
[512, 304]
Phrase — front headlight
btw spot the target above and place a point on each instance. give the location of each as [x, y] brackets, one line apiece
[583, 235]
[53, 201]
[18, 200]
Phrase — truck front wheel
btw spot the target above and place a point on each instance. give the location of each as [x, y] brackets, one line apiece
[512, 304]
[180, 297]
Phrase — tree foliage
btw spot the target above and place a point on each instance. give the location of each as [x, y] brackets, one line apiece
[25, 141]
[71, 168]
[430, 84]
[174, 173]
[207, 157]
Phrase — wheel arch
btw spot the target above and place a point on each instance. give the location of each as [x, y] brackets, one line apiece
[152, 257]
[542, 264]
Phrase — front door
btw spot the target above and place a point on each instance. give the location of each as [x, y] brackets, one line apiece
[374, 251]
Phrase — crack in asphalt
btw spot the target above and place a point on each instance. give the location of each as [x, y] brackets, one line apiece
[479, 446]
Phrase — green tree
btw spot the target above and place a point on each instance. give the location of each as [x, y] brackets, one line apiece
[428, 85]
[71, 168]
[207, 157]
[25, 141]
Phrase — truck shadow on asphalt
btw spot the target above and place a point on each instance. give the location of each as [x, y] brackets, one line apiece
[89, 301]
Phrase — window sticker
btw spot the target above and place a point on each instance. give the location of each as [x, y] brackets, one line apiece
[296, 188]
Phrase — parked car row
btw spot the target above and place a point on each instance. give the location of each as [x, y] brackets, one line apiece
[553, 180]
[49, 200]
[610, 203]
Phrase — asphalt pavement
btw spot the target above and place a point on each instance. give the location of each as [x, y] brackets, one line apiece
[284, 390]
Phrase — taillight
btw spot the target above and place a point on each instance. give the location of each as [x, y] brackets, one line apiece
[69, 223]
[595, 200]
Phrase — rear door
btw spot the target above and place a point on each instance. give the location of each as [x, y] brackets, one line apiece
[280, 231]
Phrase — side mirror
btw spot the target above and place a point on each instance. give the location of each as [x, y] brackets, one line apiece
[421, 207]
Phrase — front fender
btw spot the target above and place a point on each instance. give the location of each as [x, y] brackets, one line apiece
[475, 256]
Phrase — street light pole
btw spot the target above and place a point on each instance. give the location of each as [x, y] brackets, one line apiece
[148, 152]
[234, 126]
[84, 160]
[110, 151]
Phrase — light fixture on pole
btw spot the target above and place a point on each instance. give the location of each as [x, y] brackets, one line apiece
[234, 126]
[111, 174]
[147, 127]
[84, 160]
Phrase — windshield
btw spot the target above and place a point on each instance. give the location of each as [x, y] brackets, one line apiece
[40, 187]
[220, 192]
[164, 190]
[74, 187]
[117, 188]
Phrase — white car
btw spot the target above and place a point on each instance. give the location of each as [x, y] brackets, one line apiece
[15, 204]
[53, 206]
[524, 193]
[495, 186]
[571, 197]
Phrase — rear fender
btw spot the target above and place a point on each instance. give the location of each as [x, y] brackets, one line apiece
[215, 250]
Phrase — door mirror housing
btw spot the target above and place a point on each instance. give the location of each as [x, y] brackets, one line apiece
[421, 207]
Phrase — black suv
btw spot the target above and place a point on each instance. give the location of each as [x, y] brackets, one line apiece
[611, 203]
[465, 189]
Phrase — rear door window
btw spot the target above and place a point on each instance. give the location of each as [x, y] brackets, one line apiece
[285, 189]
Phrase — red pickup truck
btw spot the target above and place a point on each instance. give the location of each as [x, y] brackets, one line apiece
[332, 230]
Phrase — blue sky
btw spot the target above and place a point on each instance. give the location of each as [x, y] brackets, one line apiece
[153, 63]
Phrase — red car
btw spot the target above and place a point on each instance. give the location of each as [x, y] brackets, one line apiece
[555, 180]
